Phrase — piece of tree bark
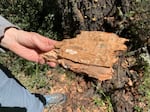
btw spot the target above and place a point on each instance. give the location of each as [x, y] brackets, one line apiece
[92, 52]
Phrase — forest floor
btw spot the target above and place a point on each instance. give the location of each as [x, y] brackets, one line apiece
[83, 93]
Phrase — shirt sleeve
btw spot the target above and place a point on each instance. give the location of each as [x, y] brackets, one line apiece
[4, 24]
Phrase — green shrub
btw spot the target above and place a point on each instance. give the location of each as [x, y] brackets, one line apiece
[29, 15]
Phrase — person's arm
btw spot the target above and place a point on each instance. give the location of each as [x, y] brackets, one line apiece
[4, 24]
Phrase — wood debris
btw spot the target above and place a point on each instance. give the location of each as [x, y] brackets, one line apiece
[92, 52]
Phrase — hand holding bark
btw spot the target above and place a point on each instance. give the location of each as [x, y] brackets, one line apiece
[28, 45]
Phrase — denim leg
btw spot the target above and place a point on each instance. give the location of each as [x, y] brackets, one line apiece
[13, 94]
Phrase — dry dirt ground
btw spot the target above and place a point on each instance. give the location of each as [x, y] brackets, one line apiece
[80, 93]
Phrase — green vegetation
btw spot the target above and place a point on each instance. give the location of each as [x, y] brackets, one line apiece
[31, 75]
[28, 15]
[105, 100]
[140, 28]
[138, 109]
[139, 24]
[144, 87]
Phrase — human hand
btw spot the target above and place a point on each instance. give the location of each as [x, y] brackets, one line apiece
[28, 45]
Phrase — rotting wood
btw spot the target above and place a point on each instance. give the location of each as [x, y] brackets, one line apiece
[94, 55]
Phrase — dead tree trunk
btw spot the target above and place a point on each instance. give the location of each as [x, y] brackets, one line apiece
[76, 15]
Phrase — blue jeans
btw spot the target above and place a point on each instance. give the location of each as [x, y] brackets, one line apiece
[12, 94]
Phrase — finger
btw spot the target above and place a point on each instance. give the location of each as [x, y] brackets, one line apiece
[43, 43]
[52, 64]
[26, 53]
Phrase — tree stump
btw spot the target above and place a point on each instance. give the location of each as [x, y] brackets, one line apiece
[76, 15]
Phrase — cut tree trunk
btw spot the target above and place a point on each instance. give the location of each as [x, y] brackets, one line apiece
[76, 15]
